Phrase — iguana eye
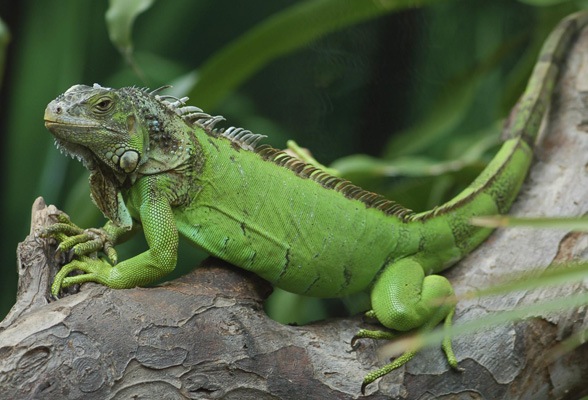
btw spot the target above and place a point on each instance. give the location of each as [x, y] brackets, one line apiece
[103, 106]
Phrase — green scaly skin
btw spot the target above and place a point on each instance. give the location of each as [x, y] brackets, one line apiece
[155, 161]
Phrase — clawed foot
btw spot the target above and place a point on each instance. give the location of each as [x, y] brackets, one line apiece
[407, 356]
[96, 270]
[396, 363]
[81, 242]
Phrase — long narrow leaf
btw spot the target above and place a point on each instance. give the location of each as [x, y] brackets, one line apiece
[4, 39]
[412, 166]
[120, 16]
[553, 276]
[574, 223]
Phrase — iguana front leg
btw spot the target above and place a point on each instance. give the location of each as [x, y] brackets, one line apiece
[404, 298]
[161, 235]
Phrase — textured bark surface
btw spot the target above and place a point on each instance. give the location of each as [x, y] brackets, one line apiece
[206, 335]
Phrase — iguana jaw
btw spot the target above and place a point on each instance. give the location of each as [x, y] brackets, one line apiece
[78, 152]
[63, 131]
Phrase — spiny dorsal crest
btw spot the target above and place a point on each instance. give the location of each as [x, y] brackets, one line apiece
[194, 115]
[248, 140]
[328, 181]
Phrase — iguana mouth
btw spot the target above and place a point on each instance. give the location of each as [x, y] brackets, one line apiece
[50, 123]
[58, 120]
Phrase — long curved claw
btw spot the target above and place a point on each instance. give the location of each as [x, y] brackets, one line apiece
[110, 252]
[369, 334]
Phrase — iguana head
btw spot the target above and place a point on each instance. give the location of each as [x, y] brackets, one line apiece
[109, 131]
[98, 124]
[124, 134]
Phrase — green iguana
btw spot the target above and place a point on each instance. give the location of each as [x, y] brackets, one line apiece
[161, 164]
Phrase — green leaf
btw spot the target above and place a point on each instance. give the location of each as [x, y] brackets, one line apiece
[120, 16]
[281, 34]
[406, 166]
[448, 112]
[413, 166]
[574, 224]
[4, 40]
[555, 275]
[545, 3]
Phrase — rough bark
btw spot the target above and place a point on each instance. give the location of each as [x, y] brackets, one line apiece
[206, 335]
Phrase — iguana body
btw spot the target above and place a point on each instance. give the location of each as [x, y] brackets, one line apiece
[156, 161]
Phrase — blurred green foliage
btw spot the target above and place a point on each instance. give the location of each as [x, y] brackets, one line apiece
[412, 92]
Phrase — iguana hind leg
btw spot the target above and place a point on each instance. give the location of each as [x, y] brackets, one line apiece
[404, 298]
